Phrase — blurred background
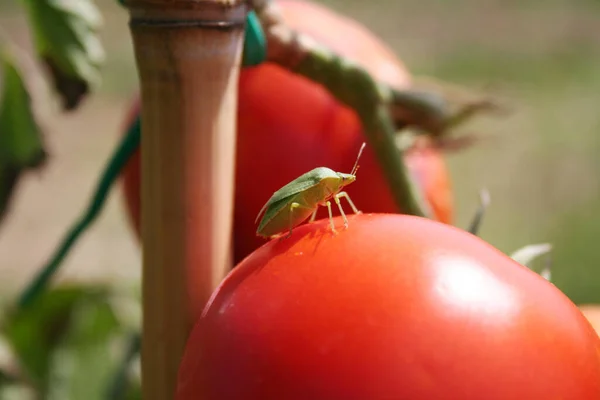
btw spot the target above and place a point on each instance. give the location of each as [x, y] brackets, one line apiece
[540, 163]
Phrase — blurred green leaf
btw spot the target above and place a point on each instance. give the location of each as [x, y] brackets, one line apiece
[65, 33]
[134, 392]
[21, 144]
[83, 365]
[37, 331]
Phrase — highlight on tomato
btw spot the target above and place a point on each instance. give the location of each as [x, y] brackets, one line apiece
[393, 307]
[288, 125]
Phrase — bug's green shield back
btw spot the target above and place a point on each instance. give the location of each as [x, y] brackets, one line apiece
[274, 209]
[300, 184]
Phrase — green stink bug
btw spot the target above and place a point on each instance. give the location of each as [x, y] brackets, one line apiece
[296, 201]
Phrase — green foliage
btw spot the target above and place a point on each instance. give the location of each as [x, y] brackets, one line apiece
[85, 354]
[65, 34]
[68, 344]
[126, 148]
[36, 332]
[21, 146]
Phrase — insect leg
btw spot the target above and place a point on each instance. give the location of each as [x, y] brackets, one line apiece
[293, 206]
[330, 216]
[344, 194]
[336, 197]
[314, 215]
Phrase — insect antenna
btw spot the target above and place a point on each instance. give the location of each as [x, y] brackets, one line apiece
[355, 168]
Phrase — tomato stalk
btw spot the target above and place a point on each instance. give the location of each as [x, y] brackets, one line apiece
[356, 88]
[188, 55]
[437, 108]
[353, 86]
[459, 103]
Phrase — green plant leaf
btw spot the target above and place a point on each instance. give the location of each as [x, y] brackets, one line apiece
[66, 38]
[134, 392]
[21, 145]
[37, 331]
[83, 365]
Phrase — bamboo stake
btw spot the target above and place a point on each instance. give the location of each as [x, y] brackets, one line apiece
[188, 55]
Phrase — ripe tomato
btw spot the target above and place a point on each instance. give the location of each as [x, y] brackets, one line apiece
[394, 307]
[288, 125]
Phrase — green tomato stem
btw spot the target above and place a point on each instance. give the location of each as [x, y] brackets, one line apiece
[353, 86]
[129, 144]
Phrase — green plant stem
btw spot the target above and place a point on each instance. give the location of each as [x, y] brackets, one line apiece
[426, 111]
[484, 202]
[126, 148]
[355, 87]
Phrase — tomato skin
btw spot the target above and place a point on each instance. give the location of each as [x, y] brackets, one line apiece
[288, 125]
[394, 307]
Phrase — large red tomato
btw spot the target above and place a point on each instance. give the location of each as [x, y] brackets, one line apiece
[288, 125]
[394, 307]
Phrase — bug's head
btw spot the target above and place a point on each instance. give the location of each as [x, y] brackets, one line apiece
[346, 179]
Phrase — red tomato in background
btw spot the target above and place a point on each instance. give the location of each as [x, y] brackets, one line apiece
[288, 125]
[394, 307]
